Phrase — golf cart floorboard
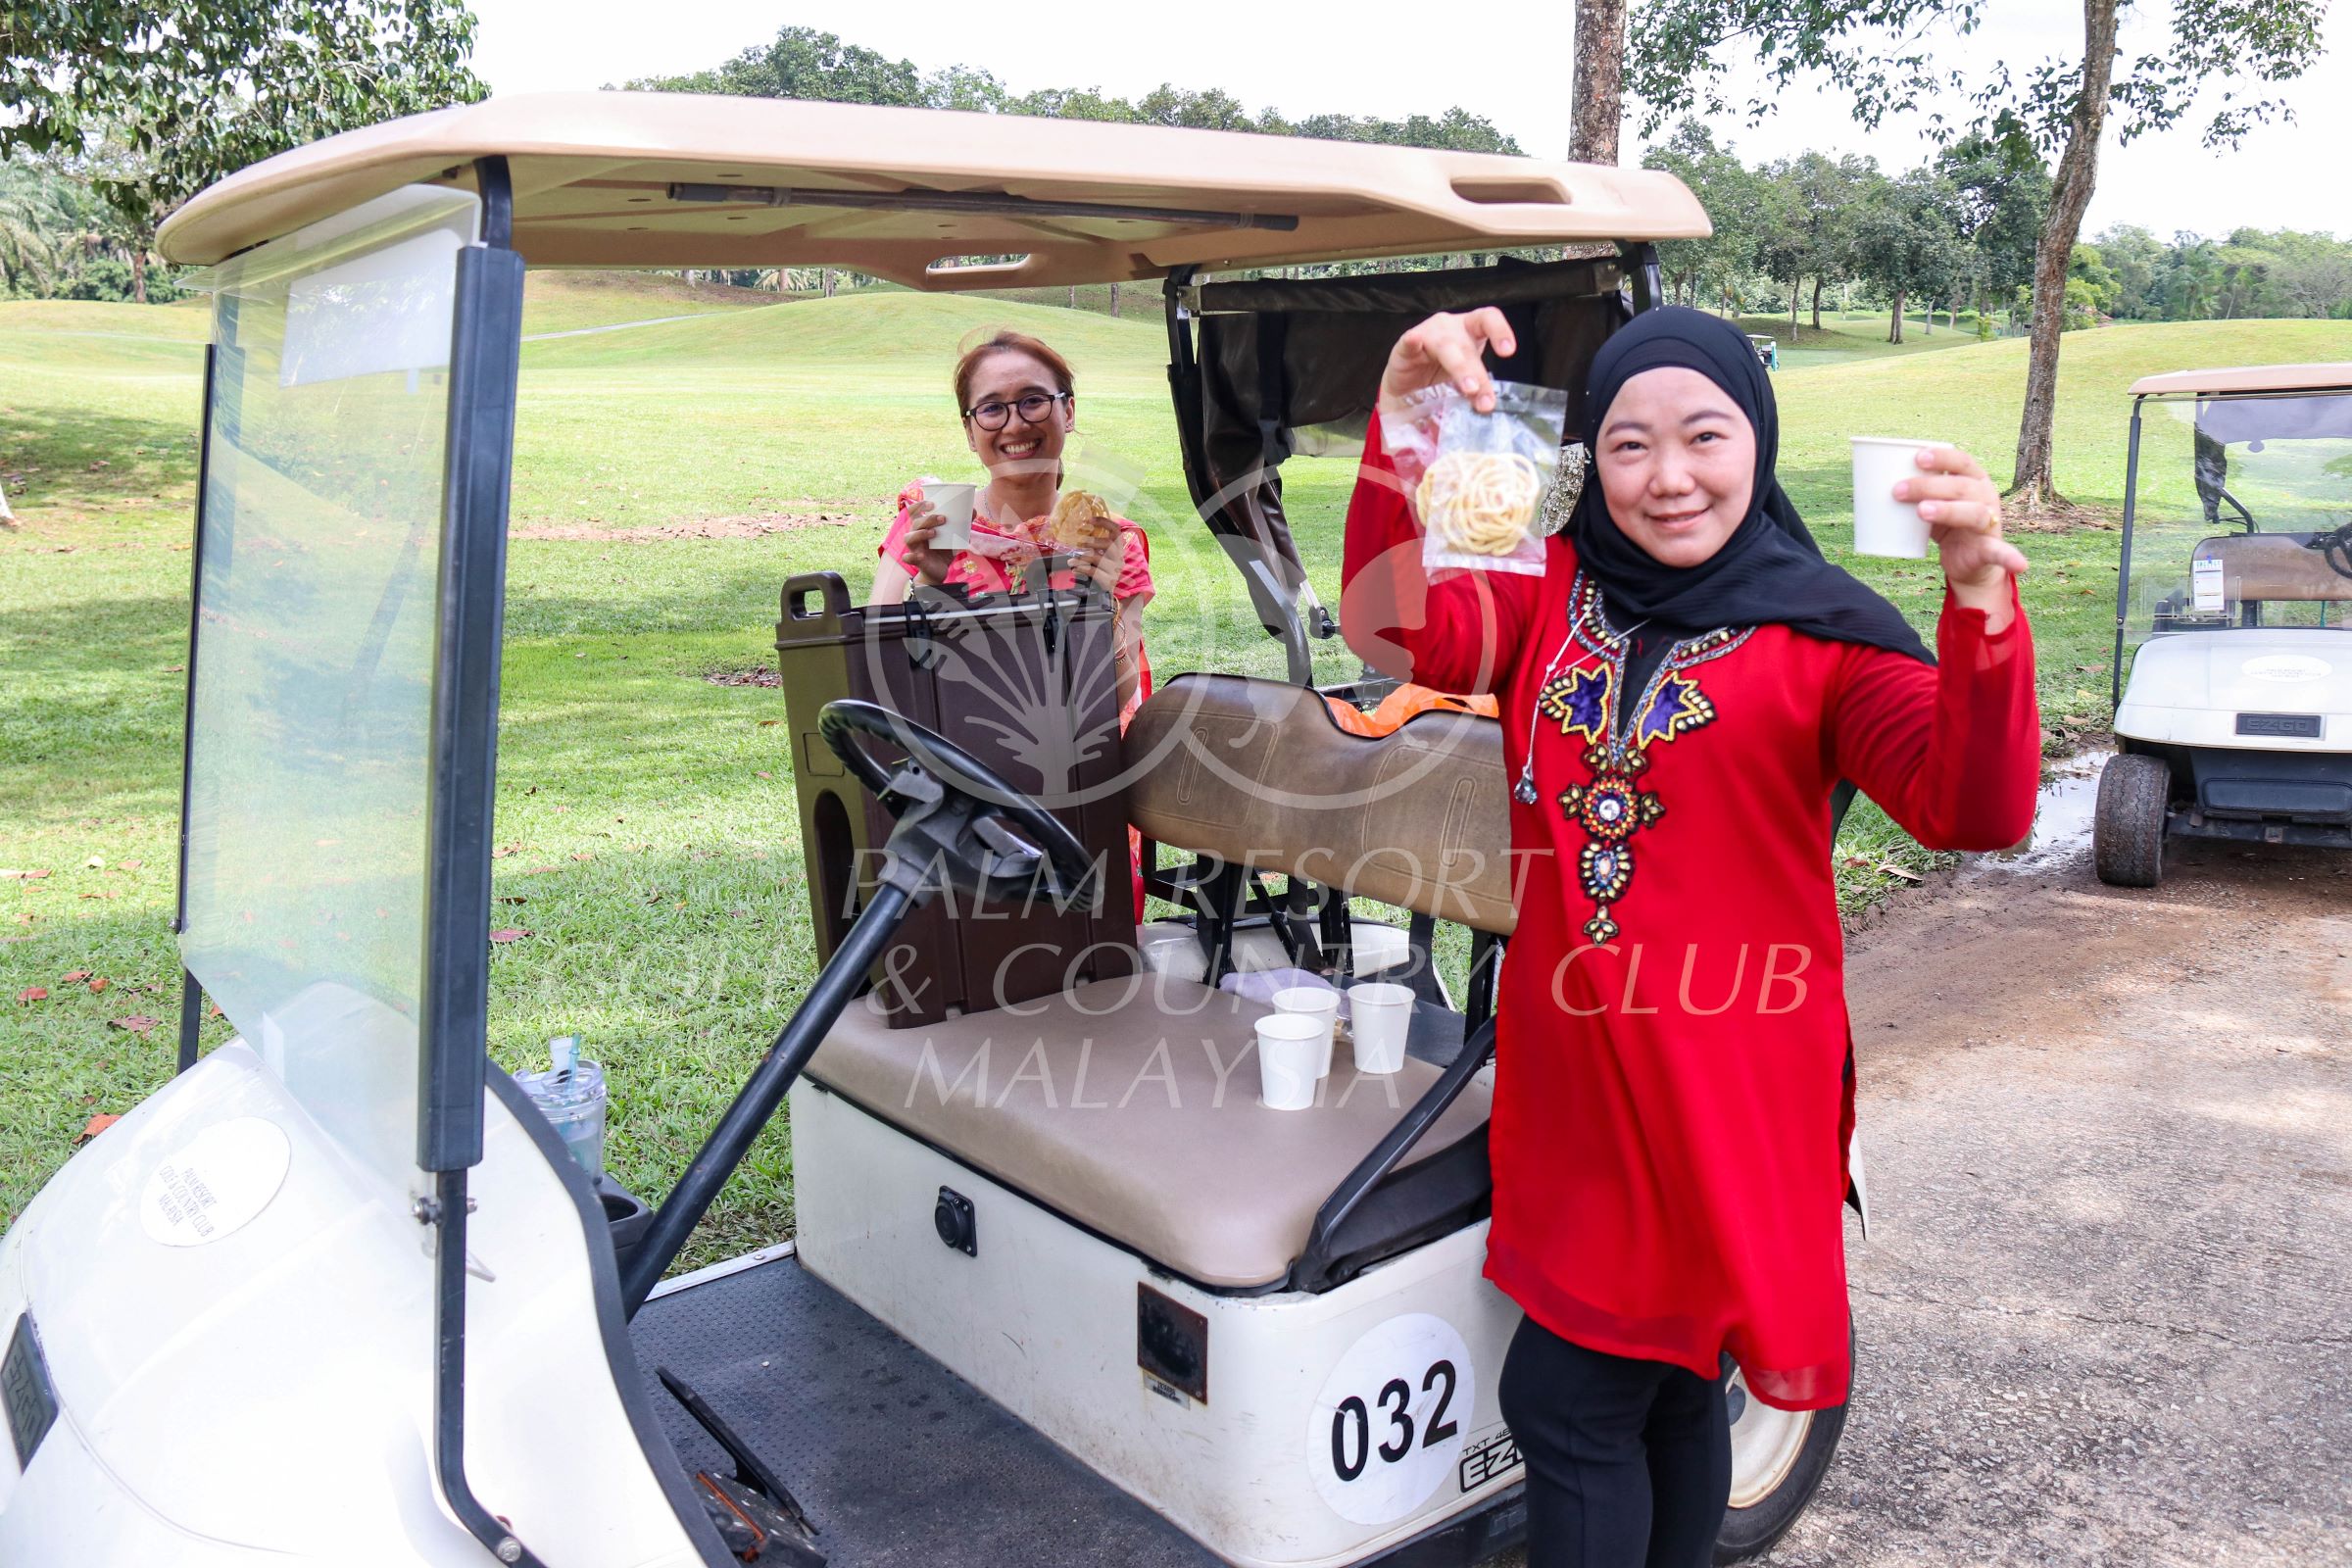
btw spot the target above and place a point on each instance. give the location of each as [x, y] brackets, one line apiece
[897, 1459]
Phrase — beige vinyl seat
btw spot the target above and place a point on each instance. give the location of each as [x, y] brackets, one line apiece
[1130, 1105]
[2273, 566]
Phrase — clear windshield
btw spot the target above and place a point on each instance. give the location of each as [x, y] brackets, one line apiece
[2237, 513]
[314, 656]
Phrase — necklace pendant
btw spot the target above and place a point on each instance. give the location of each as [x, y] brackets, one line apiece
[1524, 792]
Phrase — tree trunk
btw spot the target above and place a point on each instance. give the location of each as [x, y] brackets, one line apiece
[2033, 490]
[1817, 303]
[138, 275]
[1895, 328]
[1795, 287]
[828, 282]
[1598, 92]
[1114, 302]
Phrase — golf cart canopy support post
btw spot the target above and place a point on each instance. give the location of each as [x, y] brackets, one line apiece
[2123, 577]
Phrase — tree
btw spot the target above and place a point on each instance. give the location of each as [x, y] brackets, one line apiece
[1598, 91]
[1736, 204]
[27, 225]
[1880, 55]
[191, 90]
[1906, 242]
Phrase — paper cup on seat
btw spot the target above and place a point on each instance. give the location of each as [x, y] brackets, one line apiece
[1379, 1016]
[954, 503]
[1290, 1046]
[1319, 1002]
[1883, 525]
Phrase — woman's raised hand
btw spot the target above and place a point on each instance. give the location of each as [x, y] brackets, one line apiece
[1963, 514]
[1447, 349]
[924, 562]
[1105, 561]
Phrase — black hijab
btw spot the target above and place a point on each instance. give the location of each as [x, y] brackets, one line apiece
[1770, 569]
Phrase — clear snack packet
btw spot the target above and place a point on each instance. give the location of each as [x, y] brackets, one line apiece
[1478, 481]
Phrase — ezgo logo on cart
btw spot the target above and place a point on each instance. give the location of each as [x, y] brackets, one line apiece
[1387, 1428]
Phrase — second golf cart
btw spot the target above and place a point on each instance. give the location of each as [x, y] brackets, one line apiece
[2233, 670]
[1058, 1294]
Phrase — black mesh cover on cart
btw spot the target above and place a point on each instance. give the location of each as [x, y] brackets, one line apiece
[1286, 367]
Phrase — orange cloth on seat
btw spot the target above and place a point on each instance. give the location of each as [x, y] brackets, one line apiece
[1403, 703]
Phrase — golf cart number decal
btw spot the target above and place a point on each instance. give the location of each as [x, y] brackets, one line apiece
[1351, 1423]
[1387, 1430]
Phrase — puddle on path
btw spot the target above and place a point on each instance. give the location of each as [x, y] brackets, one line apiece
[2062, 816]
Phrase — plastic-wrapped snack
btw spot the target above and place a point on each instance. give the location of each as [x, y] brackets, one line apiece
[1080, 521]
[1478, 480]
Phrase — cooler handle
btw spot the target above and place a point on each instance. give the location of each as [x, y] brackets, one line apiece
[827, 586]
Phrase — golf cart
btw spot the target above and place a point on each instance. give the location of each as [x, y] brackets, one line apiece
[337, 1293]
[2234, 717]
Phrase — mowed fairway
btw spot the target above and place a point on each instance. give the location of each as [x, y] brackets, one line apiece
[648, 837]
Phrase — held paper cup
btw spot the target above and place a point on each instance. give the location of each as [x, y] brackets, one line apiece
[1883, 525]
[1288, 1046]
[954, 504]
[1379, 1015]
[1318, 1002]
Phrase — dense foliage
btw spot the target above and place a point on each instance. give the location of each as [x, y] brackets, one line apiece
[804, 63]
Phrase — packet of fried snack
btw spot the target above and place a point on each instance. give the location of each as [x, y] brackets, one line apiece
[1477, 480]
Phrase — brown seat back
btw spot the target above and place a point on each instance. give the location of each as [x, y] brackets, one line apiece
[2274, 566]
[1259, 774]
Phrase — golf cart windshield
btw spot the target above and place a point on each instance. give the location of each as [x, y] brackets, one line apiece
[2242, 515]
[320, 543]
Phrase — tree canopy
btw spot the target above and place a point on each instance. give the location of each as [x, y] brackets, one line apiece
[807, 63]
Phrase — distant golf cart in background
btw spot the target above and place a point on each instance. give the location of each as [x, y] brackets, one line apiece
[1768, 350]
[2236, 718]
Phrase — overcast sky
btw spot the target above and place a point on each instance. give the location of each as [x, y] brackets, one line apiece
[1378, 57]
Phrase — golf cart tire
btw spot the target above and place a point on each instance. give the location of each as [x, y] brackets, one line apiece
[2126, 832]
[1750, 1532]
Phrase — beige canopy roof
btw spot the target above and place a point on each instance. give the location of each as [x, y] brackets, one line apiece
[661, 179]
[2246, 378]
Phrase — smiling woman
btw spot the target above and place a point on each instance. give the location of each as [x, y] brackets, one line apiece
[1019, 403]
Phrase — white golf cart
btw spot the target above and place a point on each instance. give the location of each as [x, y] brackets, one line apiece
[337, 1293]
[2234, 719]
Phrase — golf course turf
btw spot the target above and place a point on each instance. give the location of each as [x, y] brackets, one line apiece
[648, 837]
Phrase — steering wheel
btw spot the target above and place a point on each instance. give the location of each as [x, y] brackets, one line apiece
[2335, 547]
[987, 836]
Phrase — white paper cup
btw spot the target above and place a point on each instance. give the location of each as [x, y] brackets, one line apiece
[954, 503]
[1379, 1016]
[1290, 1045]
[1883, 525]
[1319, 1002]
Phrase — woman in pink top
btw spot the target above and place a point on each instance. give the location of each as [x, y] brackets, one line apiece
[1019, 405]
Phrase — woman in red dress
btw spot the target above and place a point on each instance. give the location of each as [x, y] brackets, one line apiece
[1680, 689]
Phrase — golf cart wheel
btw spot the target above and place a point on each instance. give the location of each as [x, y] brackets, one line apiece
[1778, 1460]
[2126, 833]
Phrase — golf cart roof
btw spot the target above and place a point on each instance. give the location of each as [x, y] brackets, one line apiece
[2246, 380]
[624, 180]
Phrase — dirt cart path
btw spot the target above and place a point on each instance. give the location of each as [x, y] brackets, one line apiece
[2106, 1306]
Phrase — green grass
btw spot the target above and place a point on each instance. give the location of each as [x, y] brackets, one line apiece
[567, 301]
[648, 833]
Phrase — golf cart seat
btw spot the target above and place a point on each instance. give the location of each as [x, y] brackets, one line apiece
[1130, 1105]
[2273, 566]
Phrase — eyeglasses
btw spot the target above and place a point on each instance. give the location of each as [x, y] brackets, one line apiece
[1032, 408]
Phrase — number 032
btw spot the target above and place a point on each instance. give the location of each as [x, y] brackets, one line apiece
[1354, 1426]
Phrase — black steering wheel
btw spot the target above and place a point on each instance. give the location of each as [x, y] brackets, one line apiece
[987, 836]
[2335, 547]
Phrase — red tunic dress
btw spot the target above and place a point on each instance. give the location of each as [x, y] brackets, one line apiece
[1669, 1126]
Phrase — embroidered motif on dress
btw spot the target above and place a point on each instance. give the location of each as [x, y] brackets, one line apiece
[1613, 807]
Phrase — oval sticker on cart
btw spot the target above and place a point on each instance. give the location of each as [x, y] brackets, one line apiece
[216, 1183]
[1385, 1432]
[2287, 667]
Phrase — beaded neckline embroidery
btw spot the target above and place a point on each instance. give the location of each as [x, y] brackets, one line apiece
[1612, 806]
